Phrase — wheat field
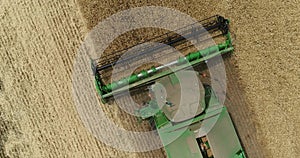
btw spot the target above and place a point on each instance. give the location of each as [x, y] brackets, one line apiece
[39, 41]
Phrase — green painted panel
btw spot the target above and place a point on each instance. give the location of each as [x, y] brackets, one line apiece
[223, 138]
[184, 147]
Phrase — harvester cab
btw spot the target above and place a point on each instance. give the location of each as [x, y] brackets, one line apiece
[196, 125]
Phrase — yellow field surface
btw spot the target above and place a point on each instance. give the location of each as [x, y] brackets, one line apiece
[39, 41]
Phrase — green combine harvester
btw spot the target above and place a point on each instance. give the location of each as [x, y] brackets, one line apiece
[197, 126]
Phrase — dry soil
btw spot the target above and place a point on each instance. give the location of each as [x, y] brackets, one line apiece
[39, 41]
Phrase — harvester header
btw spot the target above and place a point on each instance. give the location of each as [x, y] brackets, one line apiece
[216, 26]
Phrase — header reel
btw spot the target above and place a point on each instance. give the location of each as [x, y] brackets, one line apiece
[216, 26]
